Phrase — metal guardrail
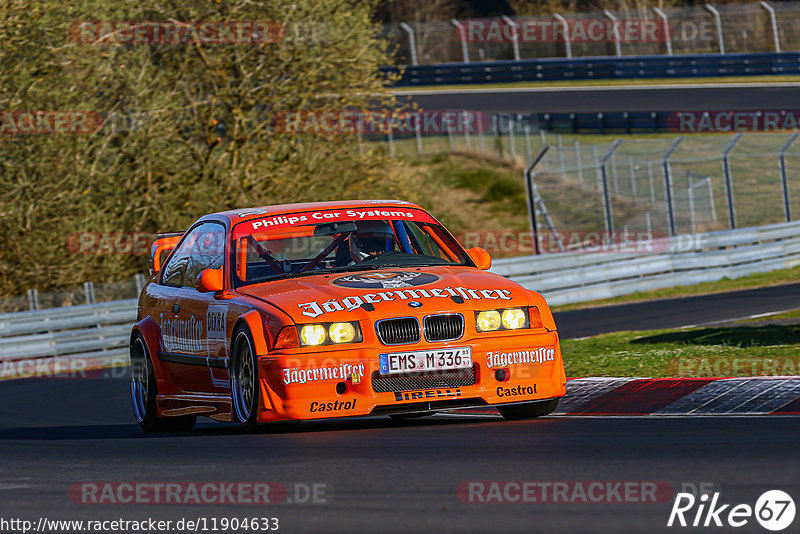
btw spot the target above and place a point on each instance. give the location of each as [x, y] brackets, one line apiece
[566, 278]
[599, 68]
[99, 333]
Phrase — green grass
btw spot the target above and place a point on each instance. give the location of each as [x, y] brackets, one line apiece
[702, 352]
[611, 82]
[772, 278]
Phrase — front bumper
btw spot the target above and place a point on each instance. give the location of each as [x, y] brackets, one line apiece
[342, 382]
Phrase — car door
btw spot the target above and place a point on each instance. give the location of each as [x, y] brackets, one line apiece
[184, 326]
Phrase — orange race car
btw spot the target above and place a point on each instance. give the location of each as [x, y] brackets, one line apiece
[334, 309]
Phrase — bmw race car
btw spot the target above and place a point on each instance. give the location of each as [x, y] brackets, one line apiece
[334, 309]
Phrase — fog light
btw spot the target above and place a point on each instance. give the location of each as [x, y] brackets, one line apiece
[500, 375]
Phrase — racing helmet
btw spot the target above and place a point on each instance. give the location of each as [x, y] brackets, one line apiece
[370, 239]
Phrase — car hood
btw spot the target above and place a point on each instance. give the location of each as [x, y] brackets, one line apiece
[394, 292]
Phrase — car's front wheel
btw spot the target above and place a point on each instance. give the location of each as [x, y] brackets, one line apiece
[528, 410]
[144, 391]
[245, 393]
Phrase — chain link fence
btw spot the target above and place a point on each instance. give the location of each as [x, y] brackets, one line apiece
[701, 29]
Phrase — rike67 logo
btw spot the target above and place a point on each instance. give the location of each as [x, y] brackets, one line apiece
[774, 510]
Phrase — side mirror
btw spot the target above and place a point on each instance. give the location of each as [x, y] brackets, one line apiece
[480, 257]
[160, 249]
[209, 281]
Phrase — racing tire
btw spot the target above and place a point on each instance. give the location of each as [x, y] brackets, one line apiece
[143, 394]
[528, 410]
[245, 390]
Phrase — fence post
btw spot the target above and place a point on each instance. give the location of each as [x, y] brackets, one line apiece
[515, 40]
[614, 21]
[463, 36]
[633, 178]
[650, 179]
[668, 184]
[578, 161]
[567, 42]
[726, 171]
[718, 23]
[787, 207]
[528, 140]
[449, 136]
[711, 200]
[691, 205]
[33, 299]
[561, 158]
[88, 290]
[412, 41]
[529, 190]
[604, 182]
[774, 23]
[667, 33]
[390, 138]
[614, 174]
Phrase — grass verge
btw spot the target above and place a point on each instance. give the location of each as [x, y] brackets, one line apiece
[735, 350]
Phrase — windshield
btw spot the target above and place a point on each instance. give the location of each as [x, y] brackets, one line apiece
[308, 243]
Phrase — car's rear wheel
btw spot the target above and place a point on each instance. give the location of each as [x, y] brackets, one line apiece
[528, 410]
[144, 391]
[245, 393]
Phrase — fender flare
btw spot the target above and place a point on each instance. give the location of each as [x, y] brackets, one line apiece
[151, 333]
[255, 324]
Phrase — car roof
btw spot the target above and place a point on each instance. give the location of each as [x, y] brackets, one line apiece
[243, 214]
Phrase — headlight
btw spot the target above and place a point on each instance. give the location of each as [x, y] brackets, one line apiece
[514, 319]
[312, 335]
[342, 332]
[509, 319]
[488, 321]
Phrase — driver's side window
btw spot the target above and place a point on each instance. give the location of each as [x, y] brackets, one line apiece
[203, 248]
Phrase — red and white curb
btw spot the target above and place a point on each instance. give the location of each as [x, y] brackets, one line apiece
[676, 396]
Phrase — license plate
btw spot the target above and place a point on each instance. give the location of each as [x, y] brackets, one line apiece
[426, 360]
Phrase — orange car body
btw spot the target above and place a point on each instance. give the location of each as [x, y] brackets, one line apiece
[188, 329]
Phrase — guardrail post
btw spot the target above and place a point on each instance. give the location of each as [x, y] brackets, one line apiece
[667, 32]
[88, 290]
[668, 184]
[515, 40]
[139, 280]
[567, 41]
[787, 207]
[614, 22]
[33, 300]
[390, 139]
[529, 175]
[511, 126]
[418, 134]
[412, 42]
[604, 182]
[718, 23]
[773, 20]
[726, 171]
[463, 35]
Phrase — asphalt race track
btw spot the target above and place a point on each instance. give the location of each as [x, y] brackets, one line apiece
[381, 476]
[387, 476]
[609, 99]
[702, 310]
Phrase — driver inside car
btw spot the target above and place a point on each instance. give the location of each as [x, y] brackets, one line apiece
[372, 239]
